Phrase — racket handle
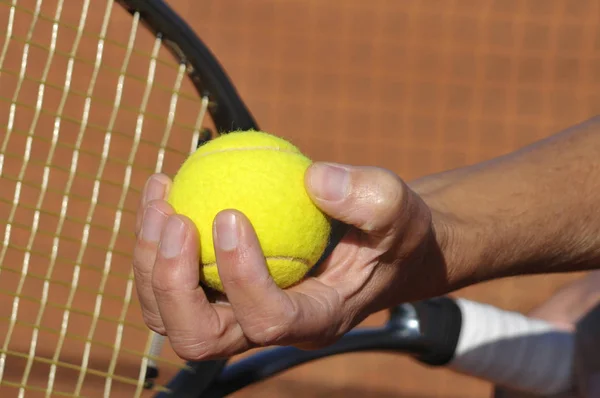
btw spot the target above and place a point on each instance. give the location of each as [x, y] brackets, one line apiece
[512, 350]
[439, 323]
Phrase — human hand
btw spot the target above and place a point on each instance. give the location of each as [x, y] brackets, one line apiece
[572, 302]
[391, 253]
[573, 308]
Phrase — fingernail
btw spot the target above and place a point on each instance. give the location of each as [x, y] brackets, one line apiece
[151, 224]
[329, 182]
[172, 238]
[226, 231]
[155, 189]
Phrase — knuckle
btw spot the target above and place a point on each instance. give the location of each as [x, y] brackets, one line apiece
[273, 328]
[141, 271]
[154, 322]
[144, 256]
[190, 348]
[269, 333]
[164, 282]
[391, 192]
[383, 197]
[193, 345]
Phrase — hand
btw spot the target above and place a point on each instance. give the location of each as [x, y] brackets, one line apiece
[577, 307]
[574, 308]
[389, 254]
[571, 303]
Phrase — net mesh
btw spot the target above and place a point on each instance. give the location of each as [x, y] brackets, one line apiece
[90, 105]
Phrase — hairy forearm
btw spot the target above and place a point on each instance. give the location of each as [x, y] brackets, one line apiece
[535, 210]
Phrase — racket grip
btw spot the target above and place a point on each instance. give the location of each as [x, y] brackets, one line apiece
[512, 350]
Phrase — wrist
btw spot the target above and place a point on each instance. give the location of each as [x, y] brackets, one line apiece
[466, 243]
[458, 243]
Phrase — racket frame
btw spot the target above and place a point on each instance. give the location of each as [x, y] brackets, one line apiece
[228, 111]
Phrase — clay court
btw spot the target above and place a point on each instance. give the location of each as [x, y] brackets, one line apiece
[413, 86]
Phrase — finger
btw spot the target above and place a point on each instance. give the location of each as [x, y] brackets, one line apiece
[144, 255]
[369, 198]
[255, 298]
[196, 329]
[385, 213]
[156, 187]
[266, 313]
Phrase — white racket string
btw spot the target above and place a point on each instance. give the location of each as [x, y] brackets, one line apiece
[17, 193]
[71, 157]
[93, 201]
[47, 168]
[159, 341]
[117, 220]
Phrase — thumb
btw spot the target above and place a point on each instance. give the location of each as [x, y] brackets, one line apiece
[369, 198]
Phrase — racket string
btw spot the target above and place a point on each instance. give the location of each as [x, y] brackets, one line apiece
[44, 278]
[51, 153]
[67, 365]
[57, 177]
[84, 176]
[43, 300]
[69, 239]
[105, 68]
[99, 100]
[96, 191]
[151, 368]
[99, 128]
[75, 310]
[88, 152]
[26, 257]
[72, 57]
[125, 186]
[73, 219]
[69, 26]
[9, 32]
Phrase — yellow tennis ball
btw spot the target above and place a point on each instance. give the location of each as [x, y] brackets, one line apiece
[262, 176]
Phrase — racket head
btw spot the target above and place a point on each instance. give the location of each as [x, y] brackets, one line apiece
[227, 110]
[96, 96]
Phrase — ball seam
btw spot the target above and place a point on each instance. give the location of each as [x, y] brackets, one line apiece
[255, 148]
[292, 258]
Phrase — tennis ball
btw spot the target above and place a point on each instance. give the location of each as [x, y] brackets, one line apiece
[262, 176]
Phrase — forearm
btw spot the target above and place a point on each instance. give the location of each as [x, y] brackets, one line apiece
[534, 210]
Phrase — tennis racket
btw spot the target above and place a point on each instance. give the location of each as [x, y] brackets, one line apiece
[94, 97]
